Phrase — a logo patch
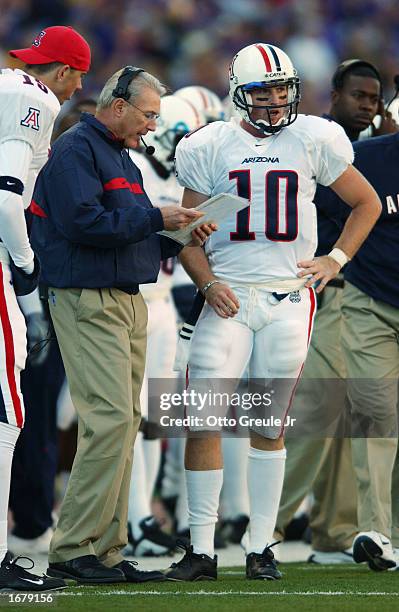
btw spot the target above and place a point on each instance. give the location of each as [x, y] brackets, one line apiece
[38, 39]
[257, 160]
[295, 297]
[32, 119]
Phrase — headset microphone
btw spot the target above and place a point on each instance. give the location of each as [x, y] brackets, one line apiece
[149, 149]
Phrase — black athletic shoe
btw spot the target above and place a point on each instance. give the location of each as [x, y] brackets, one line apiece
[137, 576]
[233, 529]
[153, 542]
[263, 566]
[86, 570]
[13, 577]
[192, 567]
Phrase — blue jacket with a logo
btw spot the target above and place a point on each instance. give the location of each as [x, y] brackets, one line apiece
[93, 224]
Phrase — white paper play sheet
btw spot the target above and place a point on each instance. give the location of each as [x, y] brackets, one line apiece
[216, 209]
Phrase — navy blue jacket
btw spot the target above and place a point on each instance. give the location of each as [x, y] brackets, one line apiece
[94, 226]
[375, 268]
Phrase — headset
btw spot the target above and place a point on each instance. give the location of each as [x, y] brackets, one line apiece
[122, 91]
[342, 69]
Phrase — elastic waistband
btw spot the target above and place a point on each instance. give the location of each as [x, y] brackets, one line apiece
[277, 285]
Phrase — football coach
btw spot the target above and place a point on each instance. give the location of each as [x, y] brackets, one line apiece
[95, 234]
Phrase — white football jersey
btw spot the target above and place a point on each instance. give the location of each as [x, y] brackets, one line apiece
[162, 192]
[28, 110]
[278, 174]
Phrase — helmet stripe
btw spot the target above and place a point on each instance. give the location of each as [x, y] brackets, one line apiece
[275, 57]
[204, 98]
[265, 57]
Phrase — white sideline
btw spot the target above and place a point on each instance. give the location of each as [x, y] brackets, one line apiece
[231, 593]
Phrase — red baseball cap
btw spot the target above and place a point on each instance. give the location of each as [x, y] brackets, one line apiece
[57, 44]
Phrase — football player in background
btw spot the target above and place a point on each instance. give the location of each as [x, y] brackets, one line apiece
[30, 102]
[356, 98]
[257, 274]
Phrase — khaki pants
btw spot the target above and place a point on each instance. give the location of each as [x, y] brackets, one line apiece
[322, 465]
[371, 350]
[102, 337]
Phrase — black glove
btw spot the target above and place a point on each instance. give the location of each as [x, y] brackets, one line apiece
[24, 283]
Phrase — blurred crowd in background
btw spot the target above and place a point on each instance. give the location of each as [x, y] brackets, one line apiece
[192, 41]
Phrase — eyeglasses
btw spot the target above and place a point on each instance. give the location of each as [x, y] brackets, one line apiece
[149, 115]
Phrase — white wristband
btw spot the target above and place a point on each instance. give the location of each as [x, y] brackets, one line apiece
[339, 256]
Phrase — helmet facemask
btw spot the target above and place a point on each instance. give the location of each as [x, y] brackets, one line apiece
[242, 100]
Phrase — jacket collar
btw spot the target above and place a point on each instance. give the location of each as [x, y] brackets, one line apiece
[100, 127]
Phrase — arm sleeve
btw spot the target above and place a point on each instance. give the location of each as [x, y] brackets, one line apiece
[334, 155]
[193, 168]
[74, 191]
[15, 159]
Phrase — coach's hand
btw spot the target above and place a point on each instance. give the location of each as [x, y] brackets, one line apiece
[223, 300]
[177, 217]
[322, 270]
[201, 233]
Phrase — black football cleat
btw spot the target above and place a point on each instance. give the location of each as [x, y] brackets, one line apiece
[192, 567]
[234, 529]
[136, 576]
[13, 577]
[153, 542]
[262, 566]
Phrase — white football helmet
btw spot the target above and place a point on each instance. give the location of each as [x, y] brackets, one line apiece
[205, 101]
[177, 118]
[257, 66]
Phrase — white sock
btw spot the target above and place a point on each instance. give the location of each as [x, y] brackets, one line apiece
[265, 482]
[235, 501]
[8, 438]
[203, 491]
[139, 505]
[152, 461]
[181, 513]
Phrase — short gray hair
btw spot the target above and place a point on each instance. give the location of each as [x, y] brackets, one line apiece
[144, 79]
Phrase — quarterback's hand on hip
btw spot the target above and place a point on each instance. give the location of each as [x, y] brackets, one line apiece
[38, 332]
[223, 300]
[322, 270]
[201, 233]
[177, 217]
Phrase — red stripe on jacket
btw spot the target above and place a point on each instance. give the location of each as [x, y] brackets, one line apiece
[122, 183]
[37, 210]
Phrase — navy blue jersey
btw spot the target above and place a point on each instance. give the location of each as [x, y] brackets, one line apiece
[375, 268]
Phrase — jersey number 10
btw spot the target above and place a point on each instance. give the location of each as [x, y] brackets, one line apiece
[281, 205]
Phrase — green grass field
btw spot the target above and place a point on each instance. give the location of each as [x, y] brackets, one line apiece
[304, 587]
